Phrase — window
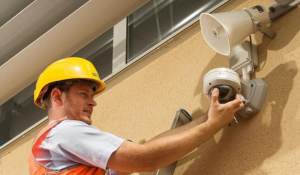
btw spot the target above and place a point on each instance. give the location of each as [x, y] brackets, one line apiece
[158, 19]
[18, 114]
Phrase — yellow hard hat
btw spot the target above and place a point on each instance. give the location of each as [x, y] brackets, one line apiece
[66, 69]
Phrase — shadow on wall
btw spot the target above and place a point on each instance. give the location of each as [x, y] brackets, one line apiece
[244, 147]
[286, 28]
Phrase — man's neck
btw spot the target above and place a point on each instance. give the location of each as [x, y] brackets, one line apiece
[55, 115]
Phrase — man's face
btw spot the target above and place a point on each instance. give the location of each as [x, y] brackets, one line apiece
[78, 103]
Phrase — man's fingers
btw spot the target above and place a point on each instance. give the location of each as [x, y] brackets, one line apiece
[237, 97]
[234, 103]
[215, 96]
[240, 106]
[237, 102]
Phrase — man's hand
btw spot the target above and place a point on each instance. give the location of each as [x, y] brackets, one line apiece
[221, 114]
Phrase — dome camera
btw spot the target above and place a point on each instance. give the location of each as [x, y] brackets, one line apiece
[226, 80]
[251, 92]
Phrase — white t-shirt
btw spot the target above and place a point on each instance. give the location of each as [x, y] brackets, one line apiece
[73, 142]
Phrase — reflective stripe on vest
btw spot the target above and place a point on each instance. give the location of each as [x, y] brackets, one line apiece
[36, 168]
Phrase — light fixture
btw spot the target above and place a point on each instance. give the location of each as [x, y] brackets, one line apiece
[225, 33]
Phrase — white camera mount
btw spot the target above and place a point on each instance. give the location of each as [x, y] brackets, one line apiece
[254, 92]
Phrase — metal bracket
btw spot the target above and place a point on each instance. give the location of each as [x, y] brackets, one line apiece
[276, 10]
[265, 30]
[254, 91]
[243, 55]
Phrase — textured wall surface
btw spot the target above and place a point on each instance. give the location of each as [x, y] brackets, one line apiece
[141, 102]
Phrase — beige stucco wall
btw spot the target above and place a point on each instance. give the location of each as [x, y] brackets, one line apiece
[141, 102]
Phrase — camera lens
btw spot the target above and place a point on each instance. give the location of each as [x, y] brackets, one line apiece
[227, 93]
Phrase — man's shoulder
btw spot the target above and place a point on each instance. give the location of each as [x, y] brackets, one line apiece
[71, 124]
[71, 127]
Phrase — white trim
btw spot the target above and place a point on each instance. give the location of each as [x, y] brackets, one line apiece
[119, 46]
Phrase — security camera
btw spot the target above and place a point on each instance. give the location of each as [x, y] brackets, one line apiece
[251, 92]
[226, 80]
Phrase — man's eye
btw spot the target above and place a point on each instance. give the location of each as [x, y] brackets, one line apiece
[84, 94]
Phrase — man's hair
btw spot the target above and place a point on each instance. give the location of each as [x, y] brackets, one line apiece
[63, 86]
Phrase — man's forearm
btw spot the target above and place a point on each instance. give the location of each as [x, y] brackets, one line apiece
[173, 147]
[160, 151]
[183, 128]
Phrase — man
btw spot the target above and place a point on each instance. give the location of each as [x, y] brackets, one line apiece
[70, 145]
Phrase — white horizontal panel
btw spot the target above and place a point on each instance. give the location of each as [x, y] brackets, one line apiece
[9, 8]
[31, 23]
[67, 37]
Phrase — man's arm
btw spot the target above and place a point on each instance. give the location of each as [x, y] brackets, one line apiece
[174, 144]
[183, 128]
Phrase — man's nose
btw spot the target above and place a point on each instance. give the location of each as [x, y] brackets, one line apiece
[92, 103]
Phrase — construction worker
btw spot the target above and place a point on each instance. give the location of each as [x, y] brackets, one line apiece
[70, 145]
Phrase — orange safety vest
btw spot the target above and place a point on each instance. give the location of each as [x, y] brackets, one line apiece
[37, 168]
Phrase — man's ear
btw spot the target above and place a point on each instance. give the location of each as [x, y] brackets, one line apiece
[56, 96]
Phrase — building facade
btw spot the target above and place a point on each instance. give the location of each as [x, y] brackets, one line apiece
[140, 102]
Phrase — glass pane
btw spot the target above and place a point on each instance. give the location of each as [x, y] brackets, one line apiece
[20, 113]
[158, 19]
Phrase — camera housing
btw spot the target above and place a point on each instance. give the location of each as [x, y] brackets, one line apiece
[252, 92]
[226, 80]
